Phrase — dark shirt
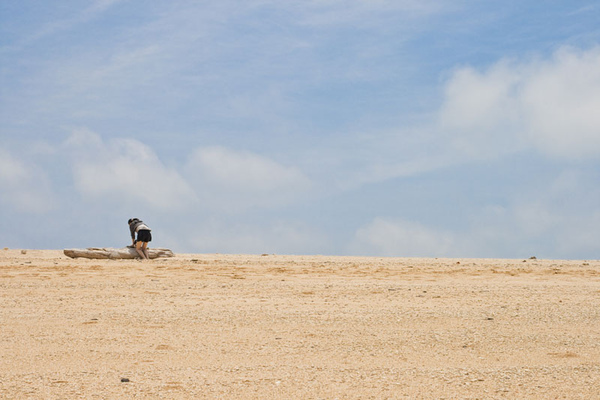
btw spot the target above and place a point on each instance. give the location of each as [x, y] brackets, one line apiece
[133, 227]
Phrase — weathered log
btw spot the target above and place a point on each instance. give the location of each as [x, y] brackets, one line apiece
[115, 254]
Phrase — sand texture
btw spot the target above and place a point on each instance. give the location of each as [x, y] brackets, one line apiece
[297, 327]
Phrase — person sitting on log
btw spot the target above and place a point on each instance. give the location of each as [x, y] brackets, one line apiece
[143, 236]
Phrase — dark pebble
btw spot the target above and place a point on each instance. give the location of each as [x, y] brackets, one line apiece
[124, 379]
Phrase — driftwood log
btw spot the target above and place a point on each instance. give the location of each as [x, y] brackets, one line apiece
[116, 254]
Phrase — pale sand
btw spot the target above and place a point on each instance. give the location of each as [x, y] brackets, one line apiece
[297, 327]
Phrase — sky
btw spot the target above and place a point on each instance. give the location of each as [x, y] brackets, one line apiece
[411, 128]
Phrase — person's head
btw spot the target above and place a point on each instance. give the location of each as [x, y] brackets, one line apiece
[132, 220]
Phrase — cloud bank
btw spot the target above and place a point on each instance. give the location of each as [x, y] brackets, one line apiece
[125, 171]
[549, 106]
[231, 180]
[543, 108]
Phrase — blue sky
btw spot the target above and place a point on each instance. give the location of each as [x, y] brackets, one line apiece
[381, 128]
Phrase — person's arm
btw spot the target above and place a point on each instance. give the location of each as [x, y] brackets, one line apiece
[132, 230]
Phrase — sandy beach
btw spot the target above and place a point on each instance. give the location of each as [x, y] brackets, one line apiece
[297, 327]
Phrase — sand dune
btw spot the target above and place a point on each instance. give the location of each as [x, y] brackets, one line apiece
[291, 327]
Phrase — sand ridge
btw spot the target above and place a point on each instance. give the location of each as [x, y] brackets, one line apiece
[287, 327]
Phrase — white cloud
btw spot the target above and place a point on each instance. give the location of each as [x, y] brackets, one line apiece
[579, 236]
[548, 105]
[545, 106]
[480, 114]
[233, 179]
[125, 170]
[557, 217]
[220, 178]
[389, 237]
[270, 236]
[12, 170]
[564, 215]
[24, 186]
[561, 102]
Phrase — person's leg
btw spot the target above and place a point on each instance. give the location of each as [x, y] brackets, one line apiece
[145, 250]
[138, 248]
